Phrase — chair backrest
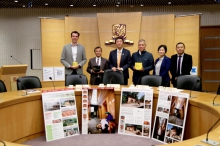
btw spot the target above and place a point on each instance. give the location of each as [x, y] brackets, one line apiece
[75, 79]
[188, 81]
[113, 77]
[28, 82]
[151, 80]
[2, 86]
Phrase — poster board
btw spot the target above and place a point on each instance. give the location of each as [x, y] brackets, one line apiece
[60, 114]
[98, 110]
[170, 117]
[135, 112]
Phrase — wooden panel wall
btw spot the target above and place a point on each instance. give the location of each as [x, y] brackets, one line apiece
[187, 31]
[105, 22]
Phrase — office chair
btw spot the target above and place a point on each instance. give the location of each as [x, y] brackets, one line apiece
[113, 77]
[188, 81]
[28, 82]
[2, 87]
[77, 79]
[151, 80]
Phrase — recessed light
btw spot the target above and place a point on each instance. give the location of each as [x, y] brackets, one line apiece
[23, 6]
[46, 4]
[16, 1]
[117, 5]
[94, 5]
[141, 5]
[169, 3]
[71, 5]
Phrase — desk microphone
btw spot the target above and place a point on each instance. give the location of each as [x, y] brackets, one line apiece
[211, 142]
[216, 95]
[52, 82]
[3, 143]
[110, 81]
[166, 85]
[197, 81]
[16, 59]
[18, 80]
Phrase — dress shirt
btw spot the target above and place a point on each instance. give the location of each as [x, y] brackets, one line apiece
[158, 65]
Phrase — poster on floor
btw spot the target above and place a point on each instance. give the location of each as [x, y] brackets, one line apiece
[60, 114]
[170, 117]
[98, 110]
[135, 112]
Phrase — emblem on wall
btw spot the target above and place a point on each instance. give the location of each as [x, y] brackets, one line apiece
[119, 30]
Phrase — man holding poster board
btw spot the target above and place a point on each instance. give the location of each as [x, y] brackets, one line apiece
[142, 62]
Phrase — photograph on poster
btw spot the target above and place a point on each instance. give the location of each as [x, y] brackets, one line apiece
[174, 132]
[69, 131]
[70, 111]
[52, 105]
[133, 129]
[65, 102]
[101, 111]
[177, 110]
[133, 99]
[159, 129]
[69, 122]
[146, 131]
[147, 104]
[168, 140]
[56, 121]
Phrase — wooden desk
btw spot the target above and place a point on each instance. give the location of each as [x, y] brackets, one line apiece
[22, 116]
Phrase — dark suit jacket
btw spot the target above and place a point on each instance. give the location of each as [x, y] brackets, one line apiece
[186, 66]
[125, 61]
[91, 64]
[164, 70]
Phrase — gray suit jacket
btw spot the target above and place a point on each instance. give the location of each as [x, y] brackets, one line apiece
[91, 64]
[67, 58]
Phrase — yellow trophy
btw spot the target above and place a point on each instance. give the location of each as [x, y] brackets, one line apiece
[138, 65]
[75, 64]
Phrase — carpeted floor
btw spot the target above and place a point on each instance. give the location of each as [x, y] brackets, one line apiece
[95, 140]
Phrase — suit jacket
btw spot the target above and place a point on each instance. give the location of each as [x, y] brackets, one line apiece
[147, 60]
[186, 66]
[67, 58]
[125, 61]
[91, 64]
[164, 70]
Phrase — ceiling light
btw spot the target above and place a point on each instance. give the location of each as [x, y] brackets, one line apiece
[16, 1]
[94, 5]
[141, 5]
[169, 3]
[23, 6]
[71, 5]
[46, 4]
[117, 5]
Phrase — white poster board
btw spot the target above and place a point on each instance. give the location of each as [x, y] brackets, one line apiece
[170, 116]
[60, 114]
[135, 112]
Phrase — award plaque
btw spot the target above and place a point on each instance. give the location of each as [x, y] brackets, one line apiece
[96, 68]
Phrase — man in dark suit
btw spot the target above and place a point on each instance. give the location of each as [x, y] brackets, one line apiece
[120, 59]
[181, 63]
[98, 61]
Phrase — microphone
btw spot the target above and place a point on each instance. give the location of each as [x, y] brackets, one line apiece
[18, 80]
[211, 142]
[3, 143]
[52, 82]
[166, 84]
[110, 83]
[16, 59]
[216, 95]
[197, 81]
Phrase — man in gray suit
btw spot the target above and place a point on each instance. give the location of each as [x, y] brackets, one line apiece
[97, 62]
[73, 56]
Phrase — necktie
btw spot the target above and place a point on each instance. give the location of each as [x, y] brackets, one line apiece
[119, 59]
[97, 61]
[178, 66]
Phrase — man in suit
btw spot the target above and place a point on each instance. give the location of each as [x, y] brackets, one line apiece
[120, 59]
[73, 56]
[181, 63]
[96, 77]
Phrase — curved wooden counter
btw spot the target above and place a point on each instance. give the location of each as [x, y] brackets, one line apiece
[22, 116]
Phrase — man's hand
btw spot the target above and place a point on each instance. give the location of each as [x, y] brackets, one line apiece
[114, 69]
[74, 67]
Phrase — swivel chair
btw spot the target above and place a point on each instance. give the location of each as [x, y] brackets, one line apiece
[113, 77]
[28, 82]
[2, 87]
[189, 82]
[151, 80]
[77, 79]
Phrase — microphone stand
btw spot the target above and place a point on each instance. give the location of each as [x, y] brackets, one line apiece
[3, 143]
[215, 97]
[23, 87]
[52, 82]
[211, 142]
[166, 85]
[192, 89]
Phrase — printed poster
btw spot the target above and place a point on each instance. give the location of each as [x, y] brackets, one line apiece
[135, 112]
[170, 117]
[98, 110]
[60, 114]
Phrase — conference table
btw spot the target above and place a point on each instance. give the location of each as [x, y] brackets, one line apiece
[21, 117]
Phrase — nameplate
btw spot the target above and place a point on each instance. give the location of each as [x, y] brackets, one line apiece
[79, 87]
[143, 87]
[116, 86]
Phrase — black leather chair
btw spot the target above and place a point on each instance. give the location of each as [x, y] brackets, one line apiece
[77, 79]
[113, 77]
[28, 82]
[189, 82]
[151, 80]
[2, 87]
